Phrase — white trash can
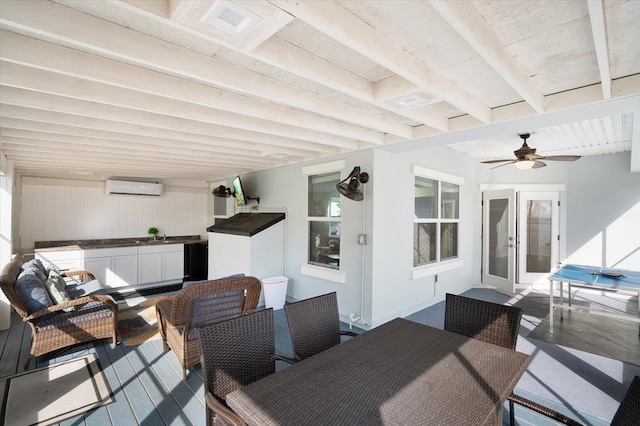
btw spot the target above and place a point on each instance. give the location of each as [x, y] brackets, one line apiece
[275, 292]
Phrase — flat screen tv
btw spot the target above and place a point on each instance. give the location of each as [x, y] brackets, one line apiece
[239, 191]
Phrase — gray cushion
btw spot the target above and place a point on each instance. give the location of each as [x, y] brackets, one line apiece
[35, 264]
[55, 285]
[35, 268]
[32, 291]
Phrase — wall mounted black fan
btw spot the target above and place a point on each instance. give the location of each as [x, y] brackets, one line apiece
[526, 157]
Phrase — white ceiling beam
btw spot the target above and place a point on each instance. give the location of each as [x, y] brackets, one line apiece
[106, 117]
[43, 169]
[161, 165]
[283, 55]
[279, 53]
[79, 151]
[14, 75]
[600, 41]
[64, 25]
[333, 20]
[157, 7]
[168, 141]
[465, 19]
[635, 142]
[59, 59]
[178, 9]
[72, 142]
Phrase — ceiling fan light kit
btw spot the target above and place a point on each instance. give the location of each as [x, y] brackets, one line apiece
[349, 186]
[525, 164]
[526, 157]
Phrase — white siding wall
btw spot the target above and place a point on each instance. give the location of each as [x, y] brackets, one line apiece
[54, 209]
[6, 232]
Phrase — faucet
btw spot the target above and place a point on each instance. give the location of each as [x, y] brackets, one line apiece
[164, 237]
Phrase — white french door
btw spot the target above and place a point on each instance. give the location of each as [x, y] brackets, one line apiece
[498, 238]
[520, 237]
[537, 235]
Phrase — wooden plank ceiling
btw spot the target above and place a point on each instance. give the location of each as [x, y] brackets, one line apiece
[205, 89]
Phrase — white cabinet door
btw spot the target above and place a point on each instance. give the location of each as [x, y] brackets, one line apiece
[100, 267]
[149, 268]
[61, 259]
[173, 266]
[124, 271]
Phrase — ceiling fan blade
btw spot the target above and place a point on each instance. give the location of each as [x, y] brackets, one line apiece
[538, 164]
[505, 164]
[495, 161]
[533, 156]
[561, 157]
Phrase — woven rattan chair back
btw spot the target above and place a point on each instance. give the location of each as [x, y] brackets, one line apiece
[486, 321]
[234, 353]
[199, 305]
[314, 325]
[628, 414]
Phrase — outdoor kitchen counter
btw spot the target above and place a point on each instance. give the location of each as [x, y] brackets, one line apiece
[42, 246]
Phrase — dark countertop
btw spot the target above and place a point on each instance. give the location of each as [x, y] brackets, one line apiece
[246, 224]
[114, 243]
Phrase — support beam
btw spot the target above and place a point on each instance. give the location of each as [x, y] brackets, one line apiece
[18, 76]
[635, 142]
[19, 103]
[471, 25]
[336, 22]
[599, 30]
[27, 51]
[63, 25]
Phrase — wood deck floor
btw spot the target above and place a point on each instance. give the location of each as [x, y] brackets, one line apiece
[148, 387]
[147, 383]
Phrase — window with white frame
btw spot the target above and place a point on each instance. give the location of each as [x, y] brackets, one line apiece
[324, 221]
[436, 218]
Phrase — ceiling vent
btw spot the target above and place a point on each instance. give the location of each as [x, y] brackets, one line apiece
[133, 188]
[231, 18]
[413, 100]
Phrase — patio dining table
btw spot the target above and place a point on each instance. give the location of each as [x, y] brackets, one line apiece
[400, 373]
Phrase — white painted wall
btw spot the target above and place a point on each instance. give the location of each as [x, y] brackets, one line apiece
[389, 290]
[6, 231]
[285, 189]
[56, 209]
[393, 291]
[603, 206]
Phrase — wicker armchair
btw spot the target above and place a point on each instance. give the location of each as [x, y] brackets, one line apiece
[235, 353]
[200, 305]
[314, 325]
[95, 316]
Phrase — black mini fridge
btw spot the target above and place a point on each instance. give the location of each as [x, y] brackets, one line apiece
[196, 261]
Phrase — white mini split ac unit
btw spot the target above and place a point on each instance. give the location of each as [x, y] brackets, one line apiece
[133, 188]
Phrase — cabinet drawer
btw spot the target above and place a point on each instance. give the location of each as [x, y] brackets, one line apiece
[161, 248]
